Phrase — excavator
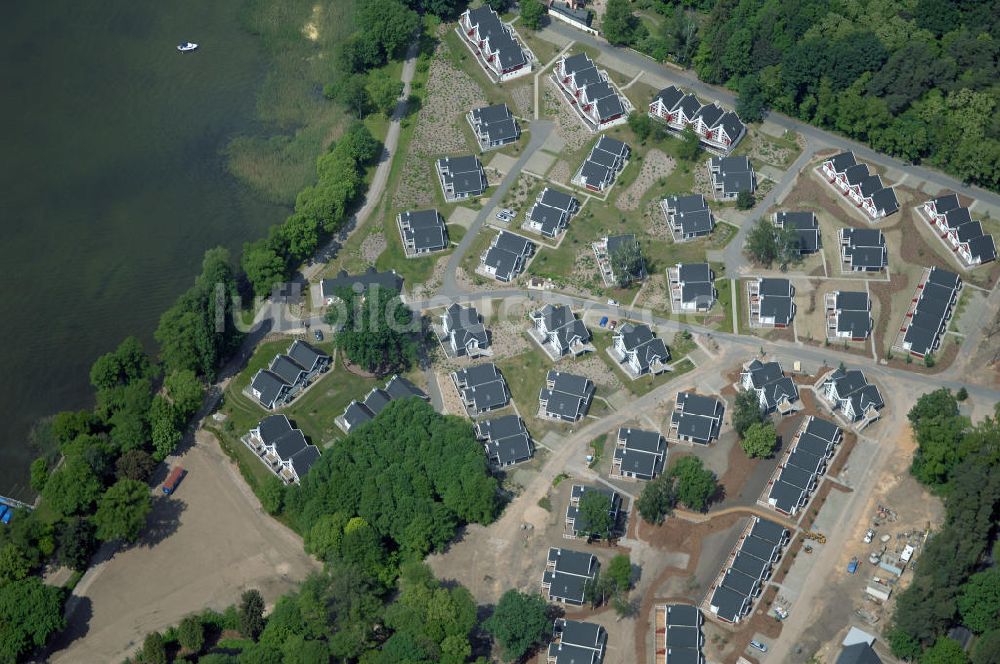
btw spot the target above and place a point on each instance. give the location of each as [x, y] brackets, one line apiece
[819, 537]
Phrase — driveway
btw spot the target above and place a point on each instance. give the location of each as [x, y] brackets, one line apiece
[202, 548]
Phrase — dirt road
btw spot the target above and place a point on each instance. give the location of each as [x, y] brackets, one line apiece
[202, 548]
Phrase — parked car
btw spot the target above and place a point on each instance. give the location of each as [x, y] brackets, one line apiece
[758, 645]
[852, 566]
[604, 321]
[318, 335]
[613, 303]
[869, 536]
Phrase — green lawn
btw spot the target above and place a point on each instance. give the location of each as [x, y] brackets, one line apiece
[644, 384]
[525, 376]
[725, 304]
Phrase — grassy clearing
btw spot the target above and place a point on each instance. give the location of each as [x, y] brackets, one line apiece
[725, 303]
[597, 449]
[525, 376]
[299, 123]
[643, 384]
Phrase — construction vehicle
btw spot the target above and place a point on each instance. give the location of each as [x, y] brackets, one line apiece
[819, 537]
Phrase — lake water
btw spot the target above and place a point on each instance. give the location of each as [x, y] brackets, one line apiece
[111, 184]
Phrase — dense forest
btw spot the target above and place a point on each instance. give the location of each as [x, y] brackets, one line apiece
[916, 79]
[956, 581]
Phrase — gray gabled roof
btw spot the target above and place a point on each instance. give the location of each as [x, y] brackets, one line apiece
[577, 62]
[762, 373]
[683, 614]
[549, 218]
[858, 653]
[289, 443]
[694, 272]
[514, 243]
[776, 391]
[804, 460]
[867, 257]
[488, 395]
[824, 429]
[580, 386]
[634, 335]
[759, 548]
[969, 231]
[490, 114]
[500, 427]
[856, 323]
[306, 355]
[478, 374]
[797, 220]
[426, 229]
[797, 477]
[669, 96]
[511, 449]
[769, 531]
[870, 185]
[362, 282]
[558, 199]
[689, 104]
[786, 497]
[732, 124]
[946, 202]
[779, 287]
[568, 561]
[273, 427]
[813, 444]
[943, 278]
[984, 248]
[269, 385]
[400, 388]
[740, 582]
[357, 413]
[304, 459]
[751, 565]
[730, 604]
[688, 203]
[841, 162]
[695, 221]
[710, 114]
[595, 174]
[778, 307]
[855, 174]
[287, 369]
[609, 107]
[885, 201]
[955, 217]
[505, 263]
[696, 404]
[612, 145]
[853, 301]
[864, 237]
[376, 400]
[921, 340]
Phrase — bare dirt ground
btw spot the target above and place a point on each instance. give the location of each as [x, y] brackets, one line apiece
[568, 126]
[437, 132]
[914, 509]
[762, 149]
[654, 294]
[372, 246]
[202, 547]
[507, 338]
[595, 369]
[703, 182]
[560, 172]
[655, 165]
[524, 100]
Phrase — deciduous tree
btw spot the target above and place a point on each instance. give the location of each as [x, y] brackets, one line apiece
[519, 622]
[532, 13]
[251, 614]
[747, 411]
[759, 440]
[30, 612]
[191, 634]
[594, 513]
[979, 603]
[121, 513]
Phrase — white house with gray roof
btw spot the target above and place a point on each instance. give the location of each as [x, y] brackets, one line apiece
[775, 390]
[507, 256]
[550, 214]
[422, 232]
[362, 412]
[576, 642]
[590, 92]
[851, 393]
[639, 350]
[692, 287]
[566, 575]
[498, 49]
[731, 175]
[464, 332]
[565, 396]
[282, 448]
[718, 130]
[606, 160]
[688, 217]
[559, 331]
[494, 126]
[482, 388]
[506, 440]
[848, 315]
[696, 418]
[639, 454]
[461, 177]
[288, 374]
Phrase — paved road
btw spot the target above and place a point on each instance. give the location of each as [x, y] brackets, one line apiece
[540, 130]
[733, 253]
[821, 137]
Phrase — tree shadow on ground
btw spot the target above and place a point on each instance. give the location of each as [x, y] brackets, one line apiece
[163, 520]
[78, 611]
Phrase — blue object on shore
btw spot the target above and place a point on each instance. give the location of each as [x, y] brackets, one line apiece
[604, 321]
[5, 514]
